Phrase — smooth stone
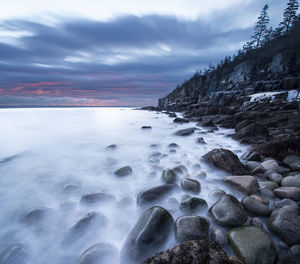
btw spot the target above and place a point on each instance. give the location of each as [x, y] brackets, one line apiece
[270, 185]
[35, 216]
[252, 245]
[146, 127]
[173, 145]
[274, 176]
[168, 176]
[218, 235]
[225, 160]
[99, 253]
[216, 195]
[147, 236]
[284, 222]
[185, 132]
[201, 175]
[246, 184]
[251, 165]
[267, 193]
[251, 156]
[295, 250]
[292, 161]
[112, 147]
[291, 181]
[255, 207]
[154, 194]
[191, 228]
[190, 185]
[180, 170]
[180, 120]
[284, 202]
[191, 252]
[288, 192]
[270, 165]
[228, 211]
[98, 197]
[256, 222]
[13, 254]
[124, 171]
[193, 205]
[71, 188]
[260, 199]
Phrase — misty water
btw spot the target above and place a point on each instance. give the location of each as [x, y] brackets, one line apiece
[51, 157]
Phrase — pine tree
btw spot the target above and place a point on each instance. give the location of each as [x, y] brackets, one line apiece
[261, 27]
[289, 15]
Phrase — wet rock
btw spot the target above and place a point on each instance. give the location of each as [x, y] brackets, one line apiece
[274, 176]
[228, 211]
[71, 188]
[201, 175]
[270, 165]
[85, 225]
[193, 205]
[245, 184]
[190, 185]
[180, 170]
[168, 176]
[185, 132]
[226, 160]
[270, 185]
[251, 156]
[156, 193]
[219, 236]
[284, 202]
[292, 161]
[209, 123]
[173, 145]
[200, 140]
[267, 193]
[255, 207]
[98, 197]
[112, 147]
[217, 194]
[191, 228]
[251, 165]
[252, 245]
[146, 127]
[253, 133]
[295, 251]
[288, 192]
[14, 254]
[124, 171]
[256, 222]
[260, 199]
[35, 216]
[99, 253]
[179, 120]
[291, 181]
[191, 252]
[147, 236]
[284, 222]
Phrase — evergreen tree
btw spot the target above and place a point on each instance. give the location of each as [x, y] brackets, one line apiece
[261, 27]
[289, 15]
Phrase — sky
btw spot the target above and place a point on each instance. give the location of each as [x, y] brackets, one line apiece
[116, 52]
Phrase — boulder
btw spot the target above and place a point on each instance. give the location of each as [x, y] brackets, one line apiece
[288, 192]
[156, 193]
[253, 133]
[252, 245]
[193, 204]
[147, 236]
[124, 171]
[284, 222]
[228, 211]
[291, 181]
[218, 235]
[190, 185]
[270, 165]
[180, 120]
[97, 197]
[99, 253]
[245, 184]
[251, 165]
[191, 228]
[185, 132]
[284, 202]
[180, 170]
[35, 216]
[225, 160]
[274, 176]
[256, 207]
[168, 176]
[191, 252]
[292, 161]
[270, 185]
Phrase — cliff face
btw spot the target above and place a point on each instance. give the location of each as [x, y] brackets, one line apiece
[272, 68]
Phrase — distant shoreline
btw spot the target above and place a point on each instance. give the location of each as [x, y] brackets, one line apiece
[61, 106]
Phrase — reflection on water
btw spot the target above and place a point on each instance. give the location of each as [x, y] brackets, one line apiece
[51, 158]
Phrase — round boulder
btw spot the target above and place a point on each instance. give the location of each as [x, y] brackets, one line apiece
[190, 185]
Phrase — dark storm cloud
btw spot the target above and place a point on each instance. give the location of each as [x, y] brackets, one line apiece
[127, 59]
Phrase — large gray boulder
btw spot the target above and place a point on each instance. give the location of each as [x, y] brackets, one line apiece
[228, 211]
[155, 194]
[256, 207]
[99, 253]
[226, 160]
[246, 184]
[285, 223]
[147, 236]
[190, 185]
[291, 181]
[192, 252]
[270, 165]
[288, 192]
[191, 228]
[252, 245]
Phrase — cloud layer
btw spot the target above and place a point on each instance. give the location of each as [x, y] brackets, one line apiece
[128, 60]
